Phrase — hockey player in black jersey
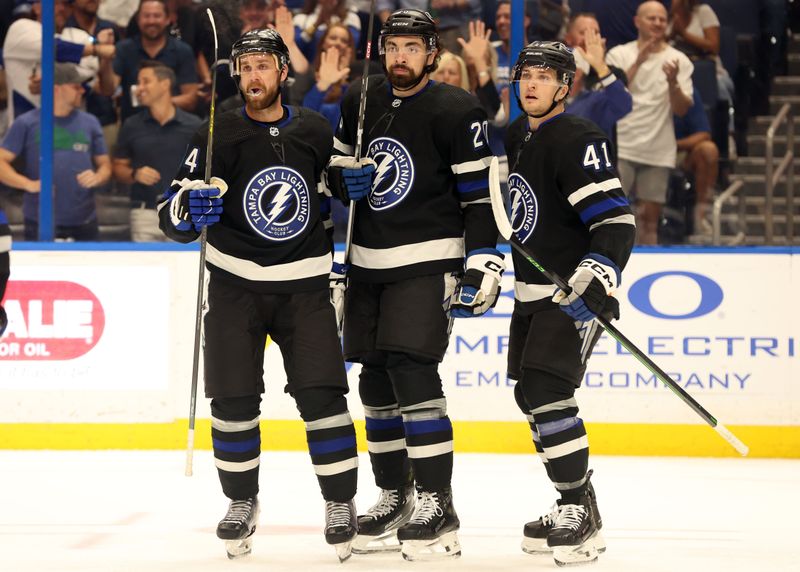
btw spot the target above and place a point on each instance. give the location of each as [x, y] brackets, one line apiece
[422, 203]
[5, 247]
[269, 259]
[568, 206]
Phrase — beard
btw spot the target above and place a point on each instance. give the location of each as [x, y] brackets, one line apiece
[409, 79]
[263, 100]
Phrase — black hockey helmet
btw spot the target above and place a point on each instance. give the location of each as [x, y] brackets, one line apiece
[409, 23]
[264, 41]
[553, 55]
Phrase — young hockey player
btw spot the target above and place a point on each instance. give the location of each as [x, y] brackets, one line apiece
[421, 200]
[567, 205]
[269, 260]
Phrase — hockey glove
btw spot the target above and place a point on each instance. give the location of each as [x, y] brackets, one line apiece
[348, 179]
[338, 286]
[593, 283]
[197, 204]
[480, 286]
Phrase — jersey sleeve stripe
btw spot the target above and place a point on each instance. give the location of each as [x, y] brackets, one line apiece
[480, 201]
[465, 187]
[342, 147]
[297, 270]
[587, 190]
[5, 243]
[603, 206]
[471, 166]
[407, 254]
[622, 219]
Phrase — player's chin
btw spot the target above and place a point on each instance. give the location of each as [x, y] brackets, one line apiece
[404, 80]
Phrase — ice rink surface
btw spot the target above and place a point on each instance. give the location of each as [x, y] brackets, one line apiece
[136, 511]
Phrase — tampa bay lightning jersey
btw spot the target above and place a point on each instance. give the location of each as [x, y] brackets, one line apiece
[429, 204]
[566, 201]
[271, 235]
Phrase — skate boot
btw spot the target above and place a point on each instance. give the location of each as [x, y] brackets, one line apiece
[535, 533]
[377, 529]
[599, 541]
[431, 534]
[238, 527]
[341, 527]
[572, 537]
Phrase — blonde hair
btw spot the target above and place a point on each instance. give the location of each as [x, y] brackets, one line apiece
[446, 58]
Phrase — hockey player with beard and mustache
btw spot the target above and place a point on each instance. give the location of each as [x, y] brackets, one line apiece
[422, 204]
[269, 260]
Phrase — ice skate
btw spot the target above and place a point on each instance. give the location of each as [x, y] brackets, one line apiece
[535, 533]
[238, 527]
[431, 533]
[377, 529]
[341, 527]
[573, 535]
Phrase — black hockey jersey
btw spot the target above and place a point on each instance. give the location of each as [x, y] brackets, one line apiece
[430, 200]
[566, 201]
[270, 236]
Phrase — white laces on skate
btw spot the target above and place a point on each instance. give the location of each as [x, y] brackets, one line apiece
[549, 519]
[387, 502]
[570, 516]
[238, 512]
[427, 507]
[337, 514]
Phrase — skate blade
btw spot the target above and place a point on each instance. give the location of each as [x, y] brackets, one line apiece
[388, 542]
[536, 546]
[599, 542]
[446, 546]
[344, 550]
[586, 553]
[239, 548]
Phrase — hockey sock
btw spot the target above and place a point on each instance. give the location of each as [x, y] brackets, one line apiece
[236, 439]
[331, 439]
[429, 441]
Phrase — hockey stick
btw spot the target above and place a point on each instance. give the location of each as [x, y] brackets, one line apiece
[362, 107]
[198, 323]
[504, 226]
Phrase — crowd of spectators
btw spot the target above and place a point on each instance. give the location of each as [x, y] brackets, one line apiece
[133, 82]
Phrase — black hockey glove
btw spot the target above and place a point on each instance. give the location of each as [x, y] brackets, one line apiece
[197, 204]
[593, 283]
[480, 286]
[348, 179]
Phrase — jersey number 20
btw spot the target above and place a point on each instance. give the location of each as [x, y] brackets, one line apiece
[480, 133]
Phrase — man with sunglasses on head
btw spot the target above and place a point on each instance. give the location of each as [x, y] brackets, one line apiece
[422, 204]
[269, 260]
[568, 206]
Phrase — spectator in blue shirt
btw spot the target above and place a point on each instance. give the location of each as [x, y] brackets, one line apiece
[315, 18]
[153, 43]
[150, 147]
[332, 65]
[698, 155]
[598, 92]
[80, 160]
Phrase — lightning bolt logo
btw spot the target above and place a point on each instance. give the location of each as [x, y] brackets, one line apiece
[279, 203]
[383, 169]
[516, 204]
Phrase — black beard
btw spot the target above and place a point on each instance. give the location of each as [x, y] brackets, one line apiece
[404, 82]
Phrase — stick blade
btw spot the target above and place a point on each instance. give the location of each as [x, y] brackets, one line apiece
[732, 439]
[498, 207]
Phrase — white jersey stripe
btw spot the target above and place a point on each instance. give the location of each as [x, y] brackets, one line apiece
[532, 292]
[566, 448]
[232, 467]
[386, 446]
[622, 219]
[336, 468]
[297, 270]
[386, 258]
[471, 166]
[577, 196]
[343, 147]
[5, 243]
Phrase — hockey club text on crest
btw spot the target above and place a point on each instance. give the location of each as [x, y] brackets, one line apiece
[524, 206]
[277, 203]
[394, 176]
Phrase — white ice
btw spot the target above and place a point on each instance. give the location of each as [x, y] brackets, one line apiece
[135, 511]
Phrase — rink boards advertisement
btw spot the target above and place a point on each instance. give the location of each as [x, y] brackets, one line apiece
[101, 341]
